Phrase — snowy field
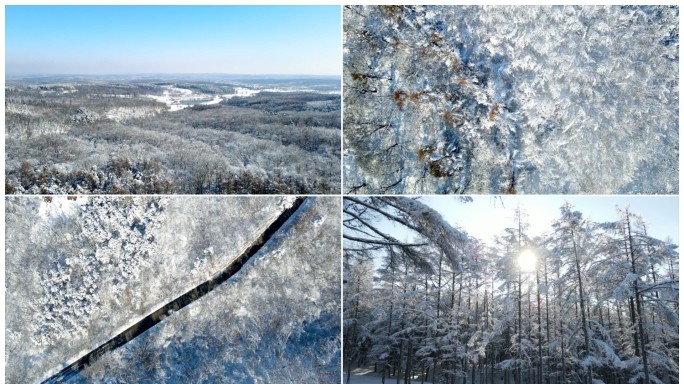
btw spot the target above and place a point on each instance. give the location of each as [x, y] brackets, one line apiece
[367, 376]
[178, 98]
[81, 270]
[534, 100]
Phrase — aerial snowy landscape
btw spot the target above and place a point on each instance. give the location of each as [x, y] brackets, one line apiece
[511, 99]
[83, 271]
[99, 136]
[189, 100]
[511, 290]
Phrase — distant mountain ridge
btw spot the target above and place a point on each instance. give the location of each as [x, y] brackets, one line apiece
[164, 76]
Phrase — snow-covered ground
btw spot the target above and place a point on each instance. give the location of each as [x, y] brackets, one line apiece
[367, 376]
[172, 97]
[61, 209]
[179, 98]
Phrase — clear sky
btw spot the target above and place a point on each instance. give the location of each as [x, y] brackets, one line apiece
[488, 216]
[291, 40]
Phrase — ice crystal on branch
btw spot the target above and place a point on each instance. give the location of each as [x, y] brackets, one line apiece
[445, 99]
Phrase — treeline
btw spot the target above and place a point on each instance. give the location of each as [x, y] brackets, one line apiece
[82, 90]
[600, 306]
[118, 176]
[207, 88]
[123, 176]
[309, 130]
[274, 102]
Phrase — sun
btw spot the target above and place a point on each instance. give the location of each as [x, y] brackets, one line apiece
[527, 261]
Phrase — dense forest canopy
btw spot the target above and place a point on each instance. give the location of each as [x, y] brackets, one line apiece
[585, 302]
[81, 270]
[172, 136]
[508, 99]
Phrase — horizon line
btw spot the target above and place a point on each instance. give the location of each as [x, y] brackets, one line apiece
[170, 74]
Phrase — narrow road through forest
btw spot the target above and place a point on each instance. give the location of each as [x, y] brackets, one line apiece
[178, 303]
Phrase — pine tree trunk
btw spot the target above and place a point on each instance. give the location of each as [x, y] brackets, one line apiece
[548, 325]
[491, 366]
[644, 350]
[487, 355]
[409, 361]
[587, 346]
[389, 323]
[507, 347]
[518, 379]
[539, 332]
[465, 369]
[632, 313]
[559, 295]
[399, 362]
[439, 304]
[402, 324]
[427, 328]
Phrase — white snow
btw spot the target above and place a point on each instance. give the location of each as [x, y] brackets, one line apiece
[172, 97]
[367, 376]
[175, 97]
[60, 206]
[215, 100]
[22, 109]
[587, 95]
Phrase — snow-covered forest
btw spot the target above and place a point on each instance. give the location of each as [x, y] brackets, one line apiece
[79, 270]
[511, 99]
[172, 135]
[583, 302]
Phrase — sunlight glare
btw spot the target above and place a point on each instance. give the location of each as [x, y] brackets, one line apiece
[527, 261]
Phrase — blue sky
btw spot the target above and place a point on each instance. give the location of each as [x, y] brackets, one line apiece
[487, 216]
[297, 40]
